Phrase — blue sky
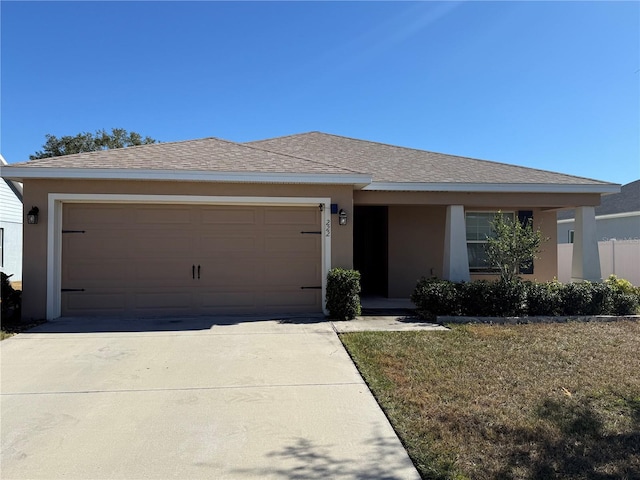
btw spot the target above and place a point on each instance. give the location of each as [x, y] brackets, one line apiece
[550, 85]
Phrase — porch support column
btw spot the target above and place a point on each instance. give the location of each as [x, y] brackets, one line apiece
[456, 259]
[585, 262]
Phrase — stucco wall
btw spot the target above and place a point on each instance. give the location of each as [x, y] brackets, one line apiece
[416, 240]
[35, 236]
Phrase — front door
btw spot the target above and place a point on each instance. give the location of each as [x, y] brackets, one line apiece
[370, 246]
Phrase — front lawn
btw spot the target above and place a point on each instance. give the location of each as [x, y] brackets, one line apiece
[537, 401]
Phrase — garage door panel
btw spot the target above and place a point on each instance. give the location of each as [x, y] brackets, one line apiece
[228, 298]
[83, 274]
[169, 274]
[111, 303]
[96, 248]
[220, 244]
[292, 216]
[297, 243]
[138, 259]
[90, 215]
[161, 247]
[154, 300]
[230, 272]
[229, 215]
[297, 273]
[283, 300]
[168, 215]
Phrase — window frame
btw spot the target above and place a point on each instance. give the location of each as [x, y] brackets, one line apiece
[485, 269]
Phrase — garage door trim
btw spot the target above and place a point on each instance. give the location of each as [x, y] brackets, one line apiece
[54, 228]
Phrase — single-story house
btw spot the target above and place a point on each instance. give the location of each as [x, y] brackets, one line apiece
[617, 217]
[211, 226]
[10, 227]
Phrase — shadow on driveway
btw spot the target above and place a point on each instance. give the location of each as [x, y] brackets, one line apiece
[165, 324]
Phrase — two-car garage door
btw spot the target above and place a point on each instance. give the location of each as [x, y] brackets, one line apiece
[148, 260]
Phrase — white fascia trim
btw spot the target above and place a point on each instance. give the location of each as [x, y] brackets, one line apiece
[491, 187]
[605, 217]
[183, 175]
[54, 229]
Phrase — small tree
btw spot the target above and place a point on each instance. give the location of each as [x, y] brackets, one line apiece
[514, 245]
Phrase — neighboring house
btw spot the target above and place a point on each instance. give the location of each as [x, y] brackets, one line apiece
[210, 226]
[617, 217]
[10, 227]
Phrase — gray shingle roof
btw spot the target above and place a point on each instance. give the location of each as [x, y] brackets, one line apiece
[628, 200]
[389, 163]
[312, 153]
[207, 154]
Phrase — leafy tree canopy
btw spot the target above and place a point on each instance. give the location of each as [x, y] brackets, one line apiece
[89, 142]
[514, 245]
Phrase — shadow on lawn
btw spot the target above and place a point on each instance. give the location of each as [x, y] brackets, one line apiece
[572, 444]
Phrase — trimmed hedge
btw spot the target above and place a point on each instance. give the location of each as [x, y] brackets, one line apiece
[343, 293]
[434, 297]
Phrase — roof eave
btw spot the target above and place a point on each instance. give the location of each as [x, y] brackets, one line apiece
[14, 185]
[493, 187]
[22, 173]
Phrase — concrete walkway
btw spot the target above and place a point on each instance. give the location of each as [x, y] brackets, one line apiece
[190, 398]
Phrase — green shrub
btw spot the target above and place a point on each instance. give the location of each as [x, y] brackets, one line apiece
[576, 298]
[476, 299]
[516, 298]
[587, 298]
[601, 299]
[625, 304]
[620, 285]
[625, 297]
[509, 298]
[343, 293]
[434, 297]
[544, 298]
[11, 299]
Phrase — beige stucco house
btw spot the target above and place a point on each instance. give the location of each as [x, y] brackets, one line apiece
[210, 226]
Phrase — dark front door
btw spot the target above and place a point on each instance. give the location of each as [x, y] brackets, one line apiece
[370, 248]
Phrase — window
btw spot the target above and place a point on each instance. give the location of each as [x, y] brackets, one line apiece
[1, 247]
[571, 233]
[478, 229]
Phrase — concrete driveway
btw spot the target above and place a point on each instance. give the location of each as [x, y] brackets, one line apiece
[190, 398]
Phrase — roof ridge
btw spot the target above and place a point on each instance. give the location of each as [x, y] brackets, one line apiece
[317, 162]
[494, 162]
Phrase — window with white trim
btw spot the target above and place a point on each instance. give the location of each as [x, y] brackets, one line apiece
[478, 226]
[1, 247]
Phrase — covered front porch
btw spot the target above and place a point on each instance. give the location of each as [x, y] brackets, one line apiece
[394, 245]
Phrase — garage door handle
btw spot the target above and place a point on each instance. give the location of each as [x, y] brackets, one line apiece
[198, 271]
[193, 271]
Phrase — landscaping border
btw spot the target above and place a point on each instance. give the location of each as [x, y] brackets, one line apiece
[444, 319]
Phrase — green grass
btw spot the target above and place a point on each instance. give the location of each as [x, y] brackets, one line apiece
[538, 401]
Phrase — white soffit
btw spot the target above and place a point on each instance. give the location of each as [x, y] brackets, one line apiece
[20, 173]
[493, 187]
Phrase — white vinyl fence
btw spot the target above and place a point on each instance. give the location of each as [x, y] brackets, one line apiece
[618, 257]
